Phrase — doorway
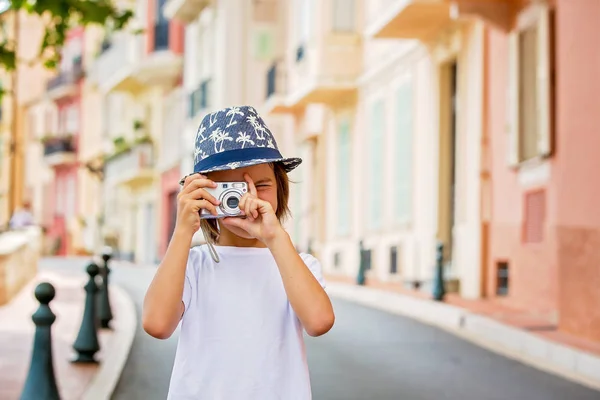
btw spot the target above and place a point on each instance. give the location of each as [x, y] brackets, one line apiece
[447, 166]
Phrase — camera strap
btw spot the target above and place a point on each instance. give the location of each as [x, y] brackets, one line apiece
[211, 247]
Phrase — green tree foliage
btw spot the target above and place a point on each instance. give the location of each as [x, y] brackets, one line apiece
[59, 16]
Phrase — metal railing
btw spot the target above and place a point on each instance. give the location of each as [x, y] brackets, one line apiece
[125, 50]
[59, 144]
[105, 45]
[161, 36]
[67, 77]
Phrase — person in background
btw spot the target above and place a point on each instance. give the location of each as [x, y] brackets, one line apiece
[22, 217]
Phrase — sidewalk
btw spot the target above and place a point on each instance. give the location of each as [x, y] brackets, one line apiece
[74, 381]
[525, 336]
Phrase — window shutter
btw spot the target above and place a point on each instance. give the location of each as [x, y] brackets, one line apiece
[512, 107]
[343, 183]
[403, 154]
[376, 161]
[543, 84]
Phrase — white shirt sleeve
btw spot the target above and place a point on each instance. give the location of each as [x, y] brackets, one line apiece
[191, 279]
[315, 267]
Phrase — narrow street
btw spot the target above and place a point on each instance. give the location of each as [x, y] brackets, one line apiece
[368, 354]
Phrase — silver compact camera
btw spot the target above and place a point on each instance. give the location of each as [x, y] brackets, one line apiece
[229, 194]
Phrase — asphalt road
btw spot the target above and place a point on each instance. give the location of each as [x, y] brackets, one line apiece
[368, 355]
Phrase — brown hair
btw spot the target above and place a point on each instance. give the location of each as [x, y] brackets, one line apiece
[210, 227]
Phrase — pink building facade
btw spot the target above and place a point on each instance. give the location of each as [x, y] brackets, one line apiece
[544, 241]
[62, 130]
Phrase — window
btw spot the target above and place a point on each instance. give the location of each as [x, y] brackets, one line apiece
[403, 154]
[530, 92]
[304, 9]
[59, 196]
[375, 172]
[344, 194]
[70, 196]
[206, 46]
[62, 121]
[72, 119]
[344, 16]
[502, 278]
[50, 121]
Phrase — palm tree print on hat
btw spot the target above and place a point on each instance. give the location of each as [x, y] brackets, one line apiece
[259, 127]
[233, 111]
[200, 133]
[244, 138]
[219, 137]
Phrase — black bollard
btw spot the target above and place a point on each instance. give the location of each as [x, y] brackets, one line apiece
[104, 309]
[41, 383]
[439, 291]
[86, 343]
[360, 278]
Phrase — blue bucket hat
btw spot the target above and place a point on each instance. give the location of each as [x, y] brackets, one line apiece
[236, 137]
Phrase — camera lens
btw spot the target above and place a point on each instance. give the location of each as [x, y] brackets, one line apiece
[232, 202]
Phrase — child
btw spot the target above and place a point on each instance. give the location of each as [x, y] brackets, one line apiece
[245, 297]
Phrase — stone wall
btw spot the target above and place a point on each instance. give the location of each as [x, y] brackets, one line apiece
[19, 255]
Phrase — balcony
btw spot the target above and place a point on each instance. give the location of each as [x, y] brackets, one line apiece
[162, 65]
[184, 11]
[275, 101]
[59, 150]
[115, 67]
[66, 82]
[132, 166]
[324, 72]
[499, 13]
[199, 99]
[410, 19]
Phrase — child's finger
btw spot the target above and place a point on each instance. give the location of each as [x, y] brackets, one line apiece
[255, 212]
[251, 187]
[236, 222]
[263, 207]
[249, 209]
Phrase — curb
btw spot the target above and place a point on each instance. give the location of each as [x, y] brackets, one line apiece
[514, 343]
[113, 361]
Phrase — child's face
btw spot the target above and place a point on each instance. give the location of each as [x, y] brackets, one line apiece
[264, 180]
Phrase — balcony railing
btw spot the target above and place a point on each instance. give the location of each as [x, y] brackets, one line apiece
[105, 45]
[161, 36]
[131, 164]
[58, 144]
[67, 77]
[200, 98]
[116, 63]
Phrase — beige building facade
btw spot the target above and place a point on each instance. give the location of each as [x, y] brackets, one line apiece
[391, 159]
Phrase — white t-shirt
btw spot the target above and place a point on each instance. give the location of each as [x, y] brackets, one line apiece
[240, 338]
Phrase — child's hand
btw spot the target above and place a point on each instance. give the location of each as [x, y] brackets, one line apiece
[191, 199]
[261, 221]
